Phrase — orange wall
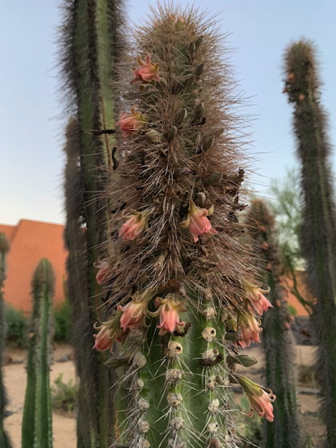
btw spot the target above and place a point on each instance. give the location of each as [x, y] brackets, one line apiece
[30, 241]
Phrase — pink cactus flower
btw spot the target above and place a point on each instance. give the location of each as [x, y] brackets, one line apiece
[101, 276]
[262, 405]
[248, 330]
[198, 222]
[147, 71]
[168, 310]
[104, 339]
[260, 400]
[131, 123]
[134, 314]
[257, 301]
[133, 226]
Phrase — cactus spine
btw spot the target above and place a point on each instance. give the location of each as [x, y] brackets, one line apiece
[4, 248]
[37, 413]
[277, 339]
[176, 249]
[319, 219]
[91, 47]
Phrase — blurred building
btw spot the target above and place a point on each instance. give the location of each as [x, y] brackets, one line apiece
[30, 241]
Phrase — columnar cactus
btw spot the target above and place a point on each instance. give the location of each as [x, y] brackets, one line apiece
[176, 250]
[4, 248]
[37, 413]
[319, 218]
[91, 48]
[277, 339]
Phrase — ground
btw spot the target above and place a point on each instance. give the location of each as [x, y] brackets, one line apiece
[64, 427]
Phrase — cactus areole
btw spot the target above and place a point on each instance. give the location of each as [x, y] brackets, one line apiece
[180, 274]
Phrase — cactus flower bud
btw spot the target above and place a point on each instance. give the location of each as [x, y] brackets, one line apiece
[260, 400]
[198, 222]
[101, 276]
[134, 313]
[104, 339]
[130, 123]
[257, 301]
[147, 71]
[248, 330]
[134, 226]
[168, 310]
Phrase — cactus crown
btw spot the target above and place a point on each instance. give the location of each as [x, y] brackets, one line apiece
[44, 277]
[300, 71]
[184, 158]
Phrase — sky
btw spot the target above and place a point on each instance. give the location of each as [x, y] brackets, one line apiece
[32, 118]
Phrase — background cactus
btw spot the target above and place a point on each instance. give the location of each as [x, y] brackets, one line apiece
[37, 413]
[179, 165]
[277, 338]
[319, 219]
[91, 48]
[4, 248]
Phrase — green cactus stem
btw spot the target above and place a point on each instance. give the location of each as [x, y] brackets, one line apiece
[318, 238]
[178, 265]
[37, 412]
[92, 46]
[277, 339]
[4, 248]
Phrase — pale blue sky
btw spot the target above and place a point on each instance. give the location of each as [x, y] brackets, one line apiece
[31, 137]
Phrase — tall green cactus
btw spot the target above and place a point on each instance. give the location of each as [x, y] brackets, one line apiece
[177, 247]
[4, 248]
[319, 217]
[37, 413]
[277, 339]
[91, 47]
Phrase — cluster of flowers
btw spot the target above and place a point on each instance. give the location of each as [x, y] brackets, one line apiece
[134, 314]
[248, 326]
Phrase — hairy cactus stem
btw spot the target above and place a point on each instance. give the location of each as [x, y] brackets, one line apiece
[277, 338]
[4, 248]
[318, 235]
[177, 235]
[37, 413]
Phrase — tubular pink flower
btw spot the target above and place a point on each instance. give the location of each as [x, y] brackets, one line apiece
[101, 276]
[134, 314]
[104, 339]
[198, 222]
[257, 300]
[147, 71]
[133, 226]
[131, 123]
[168, 310]
[248, 330]
[260, 400]
[262, 405]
